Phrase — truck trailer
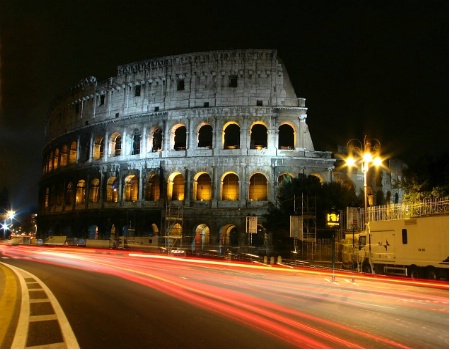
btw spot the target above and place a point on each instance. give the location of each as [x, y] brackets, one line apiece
[408, 241]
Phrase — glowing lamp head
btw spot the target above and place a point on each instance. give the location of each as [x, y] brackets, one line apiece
[351, 161]
[377, 161]
[367, 157]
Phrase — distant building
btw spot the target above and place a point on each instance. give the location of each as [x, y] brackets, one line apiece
[184, 147]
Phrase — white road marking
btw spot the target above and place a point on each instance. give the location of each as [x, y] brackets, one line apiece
[20, 337]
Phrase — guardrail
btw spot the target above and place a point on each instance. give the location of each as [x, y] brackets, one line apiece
[408, 210]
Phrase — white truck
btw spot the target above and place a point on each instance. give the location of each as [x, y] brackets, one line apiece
[405, 240]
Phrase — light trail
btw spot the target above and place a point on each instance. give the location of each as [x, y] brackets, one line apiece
[259, 296]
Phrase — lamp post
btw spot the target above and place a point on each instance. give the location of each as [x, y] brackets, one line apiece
[366, 154]
[9, 215]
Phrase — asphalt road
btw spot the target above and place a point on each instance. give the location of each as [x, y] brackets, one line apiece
[114, 299]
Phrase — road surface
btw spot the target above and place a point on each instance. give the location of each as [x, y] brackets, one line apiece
[123, 299]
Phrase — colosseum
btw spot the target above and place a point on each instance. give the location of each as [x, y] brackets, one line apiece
[185, 150]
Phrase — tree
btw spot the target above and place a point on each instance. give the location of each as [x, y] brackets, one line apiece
[427, 178]
[323, 196]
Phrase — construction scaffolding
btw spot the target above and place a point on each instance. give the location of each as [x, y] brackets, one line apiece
[173, 232]
[304, 227]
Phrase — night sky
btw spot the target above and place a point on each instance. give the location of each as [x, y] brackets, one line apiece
[365, 67]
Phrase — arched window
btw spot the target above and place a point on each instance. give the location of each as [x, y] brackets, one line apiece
[201, 237]
[94, 190]
[202, 187]
[285, 137]
[157, 140]
[50, 161]
[112, 188]
[258, 136]
[56, 159]
[117, 145]
[231, 137]
[46, 197]
[64, 155]
[152, 188]
[180, 138]
[99, 146]
[230, 187]
[257, 190]
[136, 143]
[81, 192]
[69, 194]
[205, 136]
[175, 188]
[131, 188]
[284, 177]
[73, 153]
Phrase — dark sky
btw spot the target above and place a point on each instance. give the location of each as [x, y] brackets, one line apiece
[374, 67]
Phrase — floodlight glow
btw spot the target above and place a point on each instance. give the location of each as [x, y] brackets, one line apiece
[351, 161]
[377, 161]
[367, 157]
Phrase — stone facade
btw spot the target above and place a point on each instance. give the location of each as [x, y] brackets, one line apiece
[187, 145]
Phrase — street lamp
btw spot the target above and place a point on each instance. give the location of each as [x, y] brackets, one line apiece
[9, 215]
[366, 154]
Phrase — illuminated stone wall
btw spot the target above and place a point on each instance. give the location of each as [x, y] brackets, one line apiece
[212, 132]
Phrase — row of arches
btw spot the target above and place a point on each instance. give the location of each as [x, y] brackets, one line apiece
[152, 140]
[127, 189]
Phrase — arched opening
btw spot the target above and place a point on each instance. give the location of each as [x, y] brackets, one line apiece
[112, 187]
[229, 237]
[98, 150]
[152, 188]
[117, 142]
[285, 137]
[73, 153]
[284, 177]
[157, 139]
[230, 187]
[258, 136]
[46, 197]
[93, 232]
[64, 155]
[258, 188]
[231, 136]
[130, 188]
[205, 136]
[175, 187]
[179, 141]
[136, 143]
[201, 238]
[319, 177]
[202, 187]
[50, 161]
[56, 159]
[69, 194]
[94, 190]
[80, 196]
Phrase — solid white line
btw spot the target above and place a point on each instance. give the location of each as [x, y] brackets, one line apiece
[20, 337]
[24, 318]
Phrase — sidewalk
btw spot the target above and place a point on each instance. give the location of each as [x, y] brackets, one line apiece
[9, 289]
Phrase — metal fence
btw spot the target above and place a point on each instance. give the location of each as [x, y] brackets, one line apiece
[407, 210]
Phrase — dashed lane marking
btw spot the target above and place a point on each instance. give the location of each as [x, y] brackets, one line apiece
[42, 322]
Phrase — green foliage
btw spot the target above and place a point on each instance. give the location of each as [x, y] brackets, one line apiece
[427, 178]
[316, 197]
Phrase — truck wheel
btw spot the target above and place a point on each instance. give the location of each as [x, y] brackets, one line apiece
[414, 273]
[366, 268]
[431, 274]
